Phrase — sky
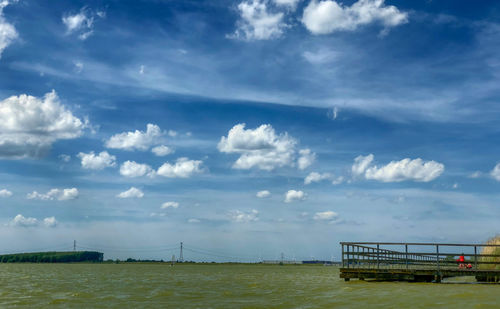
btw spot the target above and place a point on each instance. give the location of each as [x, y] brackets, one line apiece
[248, 128]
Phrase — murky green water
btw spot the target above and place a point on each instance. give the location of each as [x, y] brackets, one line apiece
[221, 286]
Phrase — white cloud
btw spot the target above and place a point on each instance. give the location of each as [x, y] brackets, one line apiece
[327, 16]
[263, 194]
[257, 23]
[133, 192]
[476, 174]
[82, 22]
[50, 222]
[137, 140]
[307, 157]
[134, 169]
[20, 220]
[289, 3]
[495, 172]
[23, 221]
[68, 194]
[29, 125]
[141, 70]
[183, 168]
[360, 165]
[8, 32]
[5, 193]
[406, 169]
[320, 57]
[97, 162]
[162, 150]
[161, 214]
[260, 147]
[78, 67]
[55, 194]
[455, 186]
[64, 157]
[329, 215]
[338, 180]
[240, 216]
[169, 205]
[316, 177]
[397, 171]
[293, 195]
[193, 220]
[172, 133]
[333, 113]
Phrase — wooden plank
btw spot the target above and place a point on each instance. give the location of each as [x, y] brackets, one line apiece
[418, 244]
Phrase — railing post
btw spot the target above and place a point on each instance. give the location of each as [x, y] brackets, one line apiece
[475, 257]
[437, 256]
[406, 255]
[343, 255]
[347, 256]
[378, 256]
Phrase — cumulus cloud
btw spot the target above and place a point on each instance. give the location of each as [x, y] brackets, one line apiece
[55, 194]
[360, 165]
[327, 216]
[169, 205]
[241, 216]
[397, 171]
[162, 150]
[495, 172]
[133, 192]
[23, 221]
[137, 140]
[64, 157]
[338, 180]
[183, 168]
[29, 125]
[257, 22]
[316, 177]
[172, 133]
[327, 16]
[97, 162]
[293, 195]
[134, 169]
[260, 147]
[81, 23]
[263, 194]
[307, 157]
[50, 222]
[8, 32]
[5, 193]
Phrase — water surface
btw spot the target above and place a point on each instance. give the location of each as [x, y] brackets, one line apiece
[222, 286]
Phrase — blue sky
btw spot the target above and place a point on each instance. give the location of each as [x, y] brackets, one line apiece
[247, 128]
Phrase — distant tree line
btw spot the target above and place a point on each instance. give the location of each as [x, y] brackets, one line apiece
[52, 257]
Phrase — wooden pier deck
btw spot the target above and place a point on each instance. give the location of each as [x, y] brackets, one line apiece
[418, 262]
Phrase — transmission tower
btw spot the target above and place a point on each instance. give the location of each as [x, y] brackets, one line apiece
[181, 256]
[74, 245]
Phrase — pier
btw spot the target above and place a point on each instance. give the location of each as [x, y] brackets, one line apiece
[418, 262]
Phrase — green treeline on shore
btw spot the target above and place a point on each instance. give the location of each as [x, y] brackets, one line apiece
[52, 257]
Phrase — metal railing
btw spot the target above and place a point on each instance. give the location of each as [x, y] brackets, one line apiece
[438, 256]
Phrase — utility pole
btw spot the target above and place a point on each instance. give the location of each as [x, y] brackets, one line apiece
[282, 257]
[74, 245]
[181, 256]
